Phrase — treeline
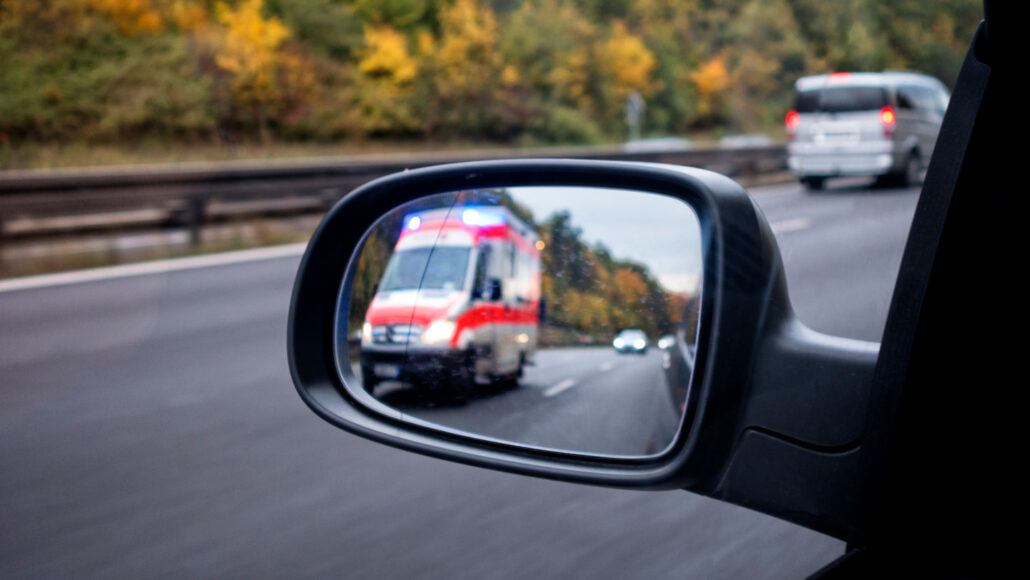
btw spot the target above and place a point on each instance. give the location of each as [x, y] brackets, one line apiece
[595, 295]
[530, 71]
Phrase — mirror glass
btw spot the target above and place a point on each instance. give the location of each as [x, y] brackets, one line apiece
[557, 317]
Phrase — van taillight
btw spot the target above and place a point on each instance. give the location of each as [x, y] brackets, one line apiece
[887, 118]
[793, 120]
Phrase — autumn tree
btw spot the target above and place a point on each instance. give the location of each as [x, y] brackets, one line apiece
[463, 85]
[510, 71]
[130, 16]
[769, 54]
[332, 28]
[388, 72]
[626, 65]
[548, 47]
[673, 30]
[251, 52]
[711, 81]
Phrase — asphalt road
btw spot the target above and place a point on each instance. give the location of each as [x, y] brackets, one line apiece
[585, 399]
[149, 428]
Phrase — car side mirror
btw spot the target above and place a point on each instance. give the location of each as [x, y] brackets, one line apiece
[610, 246]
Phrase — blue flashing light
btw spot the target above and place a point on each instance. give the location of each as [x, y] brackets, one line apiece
[483, 217]
[413, 223]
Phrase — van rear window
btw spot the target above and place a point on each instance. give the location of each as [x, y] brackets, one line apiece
[841, 100]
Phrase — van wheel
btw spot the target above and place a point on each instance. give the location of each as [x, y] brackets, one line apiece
[907, 176]
[813, 183]
[913, 170]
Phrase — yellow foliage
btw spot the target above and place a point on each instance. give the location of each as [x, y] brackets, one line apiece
[250, 47]
[630, 286]
[426, 43]
[629, 62]
[188, 16]
[571, 78]
[510, 76]
[711, 79]
[130, 16]
[468, 40]
[386, 56]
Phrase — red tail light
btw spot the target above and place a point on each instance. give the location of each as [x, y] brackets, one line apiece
[887, 116]
[793, 120]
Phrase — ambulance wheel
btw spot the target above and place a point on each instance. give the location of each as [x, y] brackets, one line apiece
[368, 380]
[461, 382]
[512, 381]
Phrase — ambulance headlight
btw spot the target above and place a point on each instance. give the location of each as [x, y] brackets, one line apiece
[440, 331]
[366, 332]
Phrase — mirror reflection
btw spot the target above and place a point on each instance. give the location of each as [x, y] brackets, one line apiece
[557, 317]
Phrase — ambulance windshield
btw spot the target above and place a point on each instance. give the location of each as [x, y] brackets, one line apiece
[439, 268]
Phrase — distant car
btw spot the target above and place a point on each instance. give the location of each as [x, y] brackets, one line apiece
[870, 124]
[666, 341]
[631, 340]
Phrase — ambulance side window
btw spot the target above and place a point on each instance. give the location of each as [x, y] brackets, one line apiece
[479, 279]
[522, 280]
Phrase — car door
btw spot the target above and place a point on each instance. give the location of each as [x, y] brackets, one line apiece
[948, 418]
[934, 463]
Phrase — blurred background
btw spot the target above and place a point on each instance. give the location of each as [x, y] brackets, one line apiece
[148, 423]
[126, 81]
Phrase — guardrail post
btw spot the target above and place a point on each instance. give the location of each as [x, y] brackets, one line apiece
[195, 213]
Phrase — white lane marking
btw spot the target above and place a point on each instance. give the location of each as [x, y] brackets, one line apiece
[562, 386]
[792, 225]
[155, 267]
[607, 366]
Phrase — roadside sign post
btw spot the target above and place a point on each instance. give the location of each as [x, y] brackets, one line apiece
[635, 107]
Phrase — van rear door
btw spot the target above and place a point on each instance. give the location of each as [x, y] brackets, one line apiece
[840, 115]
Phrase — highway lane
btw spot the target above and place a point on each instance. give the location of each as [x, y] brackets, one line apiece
[588, 399]
[148, 427]
[841, 249]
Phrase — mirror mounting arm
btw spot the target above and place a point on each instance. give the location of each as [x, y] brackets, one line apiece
[801, 415]
[797, 453]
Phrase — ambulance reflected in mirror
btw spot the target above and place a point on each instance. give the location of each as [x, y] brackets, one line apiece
[493, 313]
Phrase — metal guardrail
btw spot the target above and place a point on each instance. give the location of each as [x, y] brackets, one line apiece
[38, 203]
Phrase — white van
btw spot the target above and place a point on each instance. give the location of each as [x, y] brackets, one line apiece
[878, 124]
